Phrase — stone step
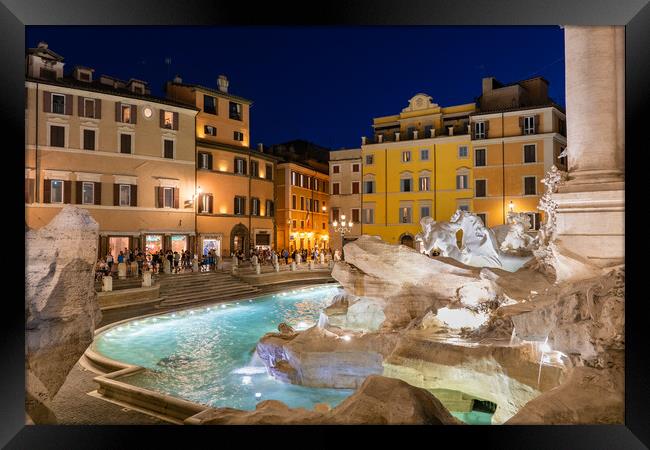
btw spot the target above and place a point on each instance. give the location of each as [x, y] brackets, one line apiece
[199, 299]
[189, 295]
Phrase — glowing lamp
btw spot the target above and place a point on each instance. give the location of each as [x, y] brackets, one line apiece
[511, 206]
[335, 223]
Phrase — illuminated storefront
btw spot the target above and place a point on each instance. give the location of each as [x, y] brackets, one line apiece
[153, 243]
[117, 244]
[211, 243]
[179, 243]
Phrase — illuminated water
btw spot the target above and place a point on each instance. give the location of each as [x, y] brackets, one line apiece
[206, 354]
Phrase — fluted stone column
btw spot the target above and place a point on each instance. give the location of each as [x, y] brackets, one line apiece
[591, 204]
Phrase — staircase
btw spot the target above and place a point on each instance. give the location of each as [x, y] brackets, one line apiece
[187, 288]
[118, 284]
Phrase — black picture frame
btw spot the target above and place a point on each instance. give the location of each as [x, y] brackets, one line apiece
[16, 14]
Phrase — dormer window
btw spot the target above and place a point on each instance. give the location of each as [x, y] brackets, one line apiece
[138, 89]
[48, 74]
[84, 76]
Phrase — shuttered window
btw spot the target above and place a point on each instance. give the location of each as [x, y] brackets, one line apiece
[405, 185]
[424, 183]
[529, 125]
[88, 193]
[356, 215]
[479, 157]
[240, 166]
[168, 148]
[125, 143]
[462, 181]
[57, 136]
[270, 211]
[369, 215]
[56, 191]
[269, 171]
[479, 130]
[369, 187]
[238, 136]
[356, 187]
[255, 168]
[209, 104]
[336, 188]
[530, 186]
[480, 186]
[293, 202]
[205, 161]
[529, 153]
[89, 139]
[125, 195]
[168, 197]
[240, 206]
[255, 206]
[236, 111]
[58, 104]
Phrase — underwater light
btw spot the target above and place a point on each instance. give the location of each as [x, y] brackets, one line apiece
[120, 328]
[191, 312]
[258, 394]
[250, 301]
[246, 379]
[223, 306]
[346, 338]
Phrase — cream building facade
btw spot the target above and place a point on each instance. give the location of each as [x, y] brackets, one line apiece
[346, 193]
[109, 146]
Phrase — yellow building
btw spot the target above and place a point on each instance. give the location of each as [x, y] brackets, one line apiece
[517, 135]
[112, 148]
[302, 195]
[235, 193]
[417, 164]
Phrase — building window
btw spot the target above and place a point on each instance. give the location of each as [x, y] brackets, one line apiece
[425, 211]
[302, 224]
[479, 157]
[308, 204]
[462, 181]
[89, 108]
[125, 195]
[316, 184]
[370, 159]
[294, 179]
[335, 214]
[356, 215]
[529, 153]
[462, 151]
[424, 155]
[240, 206]
[356, 167]
[255, 206]
[336, 188]
[463, 207]
[168, 149]
[206, 203]
[293, 224]
[369, 216]
[168, 119]
[479, 130]
[480, 188]
[126, 113]
[529, 125]
[209, 104]
[89, 139]
[204, 161]
[405, 214]
[405, 185]
[356, 187]
[85, 76]
[56, 191]
[406, 156]
[255, 168]
[293, 202]
[269, 172]
[535, 220]
[240, 166]
[530, 184]
[302, 203]
[58, 104]
[336, 169]
[369, 187]
[483, 218]
[88, 193]
[48, 74]
[424, 183]
[269, 208]
[238, 136]
[125, 143]
[57, 136]
[209, 130]
[236, 111]
[304, 181]
[561, 161]
[315, 206]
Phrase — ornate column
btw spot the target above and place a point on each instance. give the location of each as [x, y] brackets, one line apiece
[591, 204]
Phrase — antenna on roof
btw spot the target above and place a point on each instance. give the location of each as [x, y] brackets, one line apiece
[168, 62]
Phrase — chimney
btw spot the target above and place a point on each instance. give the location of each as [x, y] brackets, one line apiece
[433, 132]
[451, 130]
[178, 79]
[415, 134]
[380, 138]
[488, 84]
[397, 136]
[222, 82]
[363, 140]
[260, 147]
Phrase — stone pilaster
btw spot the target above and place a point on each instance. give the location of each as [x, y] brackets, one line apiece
[591, 204]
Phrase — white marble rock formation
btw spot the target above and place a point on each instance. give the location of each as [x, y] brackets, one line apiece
[60, 303]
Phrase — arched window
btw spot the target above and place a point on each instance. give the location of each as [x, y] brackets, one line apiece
[462, 178]
[406, 182]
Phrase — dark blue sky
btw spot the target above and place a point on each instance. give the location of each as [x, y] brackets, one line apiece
[323, 84]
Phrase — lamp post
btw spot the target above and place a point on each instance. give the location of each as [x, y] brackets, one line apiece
[196, 213]
[342, 227]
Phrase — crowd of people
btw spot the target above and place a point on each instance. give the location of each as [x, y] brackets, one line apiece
[183, 261]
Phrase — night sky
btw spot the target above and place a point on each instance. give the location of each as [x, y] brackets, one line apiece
[322, 84]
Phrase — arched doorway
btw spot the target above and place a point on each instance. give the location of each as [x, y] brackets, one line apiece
[407, 239]
[239, 238]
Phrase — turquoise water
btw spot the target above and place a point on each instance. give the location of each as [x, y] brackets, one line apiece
[206, 354]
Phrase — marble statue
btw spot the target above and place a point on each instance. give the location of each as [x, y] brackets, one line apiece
[440, 236]
[513, 237]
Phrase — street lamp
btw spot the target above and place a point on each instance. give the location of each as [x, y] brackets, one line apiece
[342, 227]
[511, 206]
